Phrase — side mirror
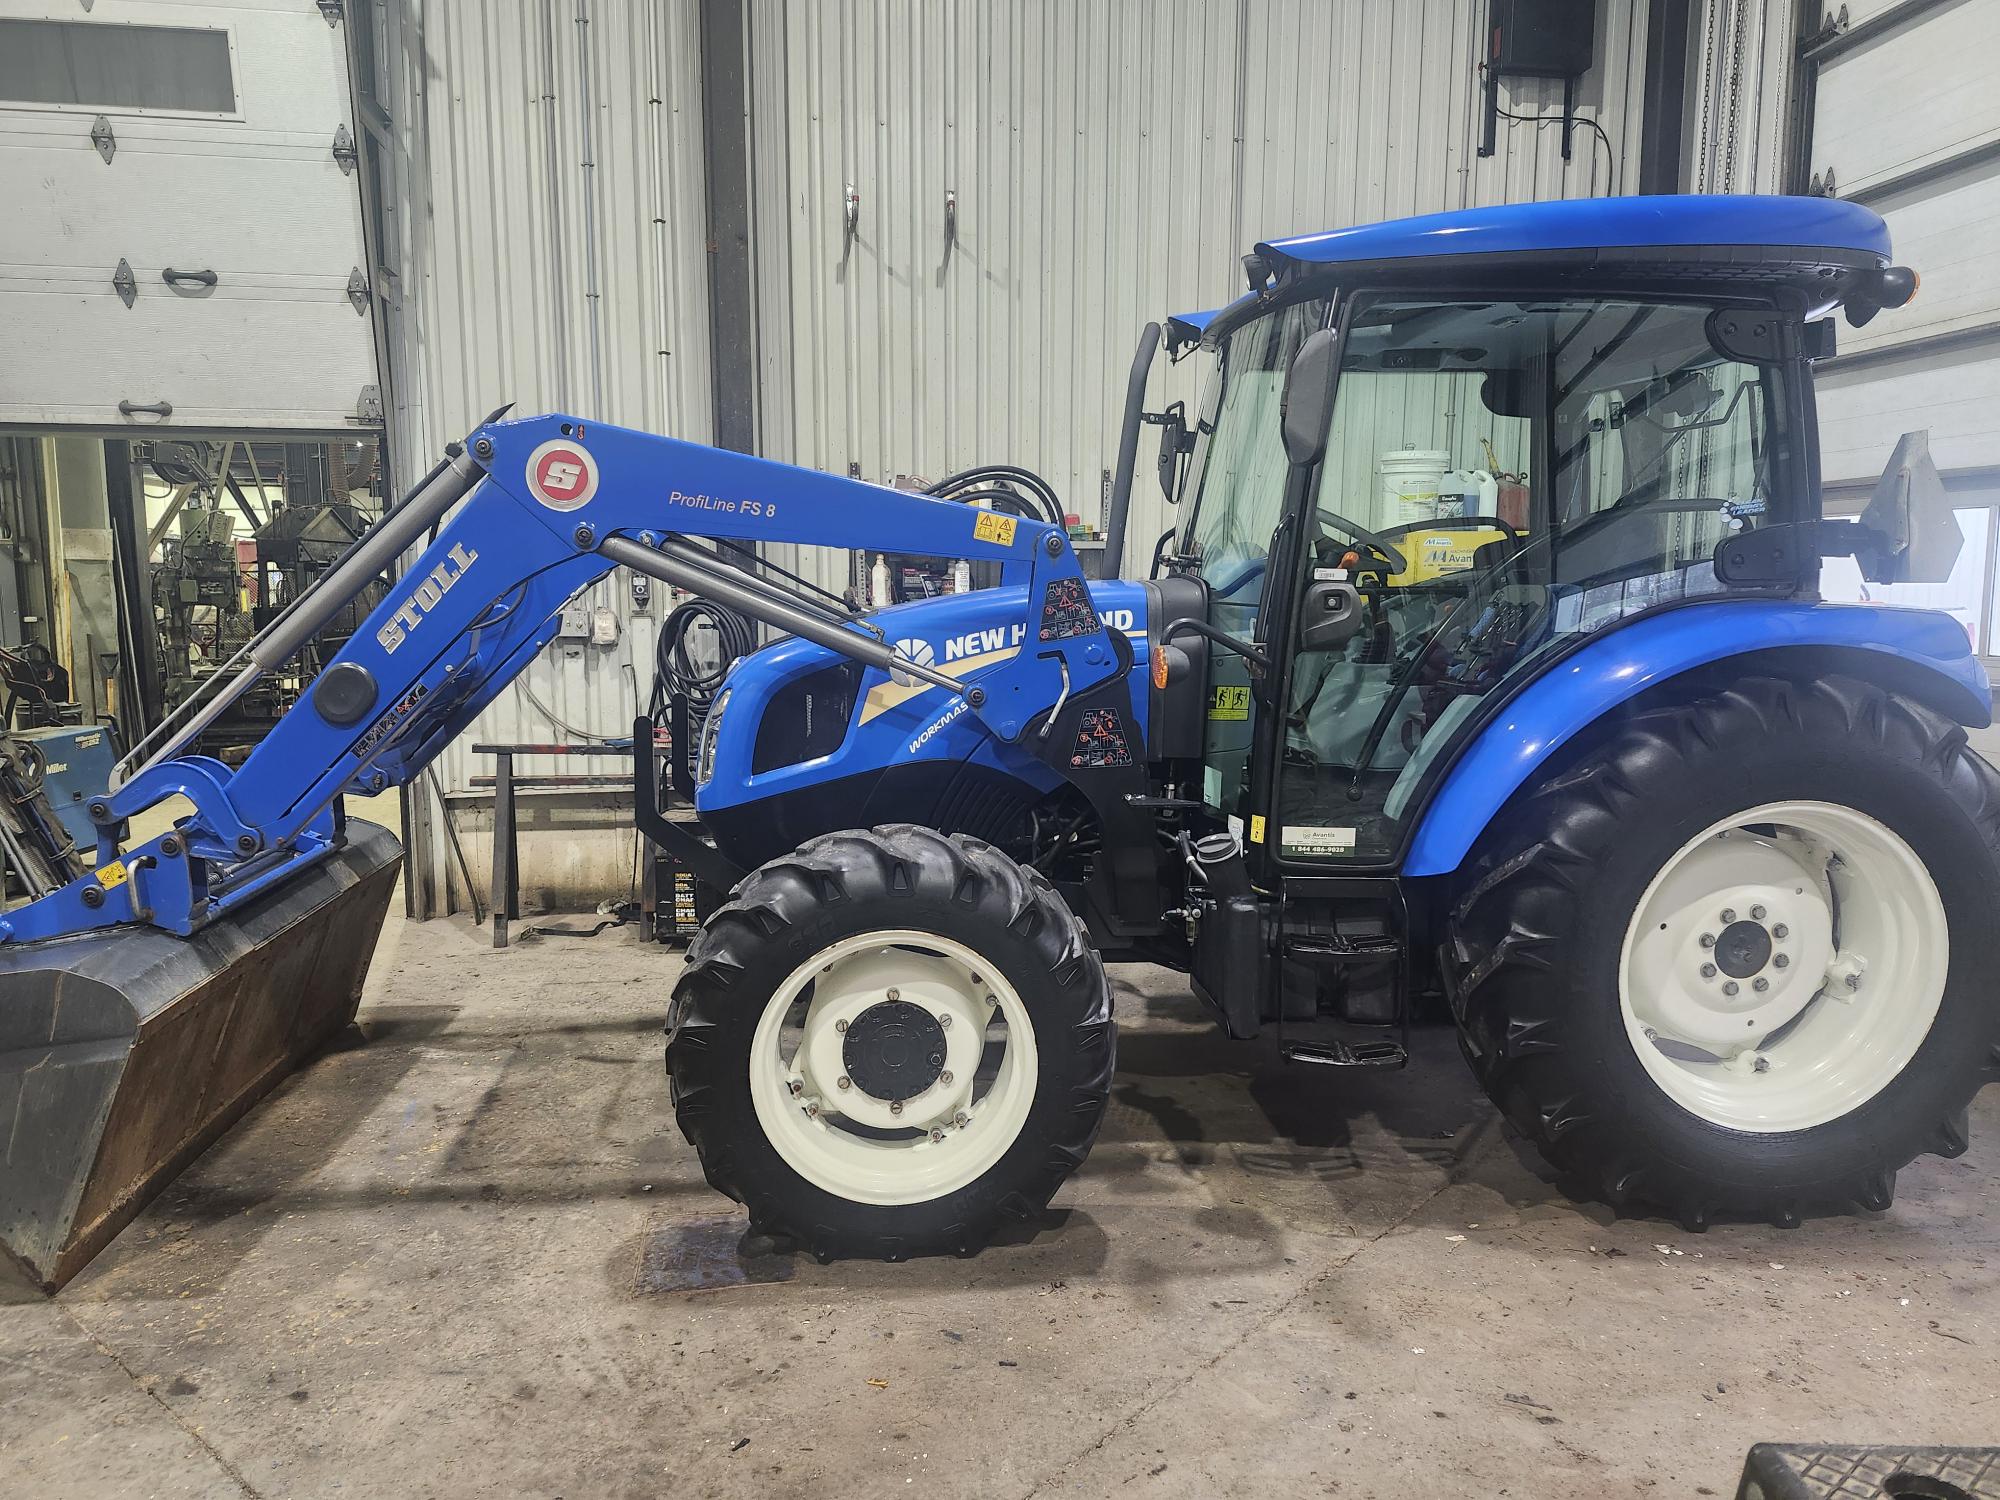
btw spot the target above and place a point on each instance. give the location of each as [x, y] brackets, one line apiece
[1911, 512]
[1331, 617]
[1307, 405]
[1173, 443]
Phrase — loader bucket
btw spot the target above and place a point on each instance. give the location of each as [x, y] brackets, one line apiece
[124, 1054]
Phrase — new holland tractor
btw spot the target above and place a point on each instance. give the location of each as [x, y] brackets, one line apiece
[1485, 670]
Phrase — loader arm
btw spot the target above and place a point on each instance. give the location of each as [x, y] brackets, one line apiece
[525, 514]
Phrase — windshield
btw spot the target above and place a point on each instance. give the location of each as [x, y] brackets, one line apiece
[1236, 481]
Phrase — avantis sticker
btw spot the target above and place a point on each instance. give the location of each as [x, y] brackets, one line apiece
[1309, 840]
[562, 474]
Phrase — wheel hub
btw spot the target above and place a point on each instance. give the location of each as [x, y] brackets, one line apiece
[1743, 949]
[894, 1050]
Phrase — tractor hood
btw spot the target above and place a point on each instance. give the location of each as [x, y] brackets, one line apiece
[805, 740]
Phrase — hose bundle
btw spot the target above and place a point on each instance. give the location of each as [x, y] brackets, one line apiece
[688, 666]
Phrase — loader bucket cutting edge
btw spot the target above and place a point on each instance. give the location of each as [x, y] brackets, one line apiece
[124, 1054]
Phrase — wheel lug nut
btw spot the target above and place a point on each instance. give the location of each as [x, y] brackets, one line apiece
[937, 1135]
[1760, 984]
[1708, 971]
[894, 993]
[961, 1119]
[1708, 940]
[843, 1082]
[1731, 987]
[840, 1026]
[1781, 931]
[795, 1086]
[1756, 913]
[1728, 915]
[945, 1076]
[945, 1020]
[812, 1109]
[1782, 961]
[895, 1106]
[1761, 1065]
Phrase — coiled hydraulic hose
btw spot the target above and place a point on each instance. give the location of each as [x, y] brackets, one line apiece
[679, 667]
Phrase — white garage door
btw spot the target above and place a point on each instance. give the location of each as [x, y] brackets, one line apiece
[180, 242]
[1905, 119]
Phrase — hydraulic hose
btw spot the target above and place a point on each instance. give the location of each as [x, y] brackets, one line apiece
[679, 671]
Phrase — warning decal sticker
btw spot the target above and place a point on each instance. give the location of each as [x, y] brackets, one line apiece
[991, 526]
[1100, 740]
[1232, 703]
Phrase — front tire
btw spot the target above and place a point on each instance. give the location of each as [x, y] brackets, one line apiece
[889, 1042]
[1735, 956]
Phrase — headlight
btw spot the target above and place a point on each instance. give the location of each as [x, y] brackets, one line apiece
[704, 763]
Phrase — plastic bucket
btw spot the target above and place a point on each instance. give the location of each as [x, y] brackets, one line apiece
[1411, 479]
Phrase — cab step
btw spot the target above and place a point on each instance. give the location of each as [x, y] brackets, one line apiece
[1383, 1054]
[1326, 951]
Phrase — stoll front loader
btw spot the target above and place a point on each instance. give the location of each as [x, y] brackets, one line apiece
[1701, 866]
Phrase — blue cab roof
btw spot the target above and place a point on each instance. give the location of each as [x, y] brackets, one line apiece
[1757, 229]
[1665, 221]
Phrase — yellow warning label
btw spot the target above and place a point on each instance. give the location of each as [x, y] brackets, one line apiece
[1231, 702]
[113, 875]
[1256, 828]
[991, 526]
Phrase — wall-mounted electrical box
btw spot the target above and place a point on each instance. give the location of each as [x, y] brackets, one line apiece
[1542, 38]
[1537, 39]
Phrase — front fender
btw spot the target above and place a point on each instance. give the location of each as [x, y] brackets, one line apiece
[1619, 664]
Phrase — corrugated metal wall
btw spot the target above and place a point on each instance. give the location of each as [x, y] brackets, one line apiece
[550, 227]
[1110, 162]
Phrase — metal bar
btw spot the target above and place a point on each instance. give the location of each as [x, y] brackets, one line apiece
[166, 524]
[1958, 161]
[1935, 343]
[695, 556]
[1120, 507]
[1663, 96]
[134, 581]
[395, 532]
[712, 582]
[726, 152]
[443, 487]
[1896, 17]
[501, 891]
[560, 779]
[457, 849]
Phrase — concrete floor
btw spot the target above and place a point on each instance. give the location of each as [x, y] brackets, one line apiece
[471, 1255]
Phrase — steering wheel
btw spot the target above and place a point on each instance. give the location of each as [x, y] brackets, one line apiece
[1389, 555]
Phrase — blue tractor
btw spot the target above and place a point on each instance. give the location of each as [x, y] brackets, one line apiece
[1486, 670]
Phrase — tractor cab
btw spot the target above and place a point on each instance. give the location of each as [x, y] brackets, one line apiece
[1525, 426]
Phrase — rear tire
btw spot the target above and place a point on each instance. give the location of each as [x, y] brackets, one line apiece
[1599, 1026]
[856, 954]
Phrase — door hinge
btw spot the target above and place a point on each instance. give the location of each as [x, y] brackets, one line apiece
[357, 291]
[102, 138]
[124, 283]
[343, 150]
[369, 407]
[333, 10]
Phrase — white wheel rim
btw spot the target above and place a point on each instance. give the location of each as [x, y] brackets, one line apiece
[1852, 980]
[850, 1142]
